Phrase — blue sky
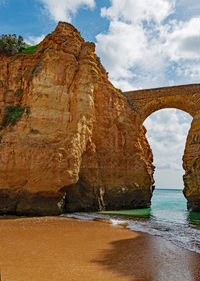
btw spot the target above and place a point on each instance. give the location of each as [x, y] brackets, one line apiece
[32, 18]
[142, 44]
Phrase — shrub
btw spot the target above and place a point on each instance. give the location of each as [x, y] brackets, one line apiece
[10, 44]
[19, 92]
[12, 115]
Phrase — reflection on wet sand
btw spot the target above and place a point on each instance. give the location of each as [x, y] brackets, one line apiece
[60, 249]
[151, 258]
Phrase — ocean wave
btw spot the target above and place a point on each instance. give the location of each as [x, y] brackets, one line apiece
[179, 234]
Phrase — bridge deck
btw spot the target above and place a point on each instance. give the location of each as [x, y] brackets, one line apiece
[163, 91]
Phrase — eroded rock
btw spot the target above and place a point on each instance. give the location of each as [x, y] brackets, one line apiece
[79, 145]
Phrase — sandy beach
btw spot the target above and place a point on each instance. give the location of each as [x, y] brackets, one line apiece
[60, 249]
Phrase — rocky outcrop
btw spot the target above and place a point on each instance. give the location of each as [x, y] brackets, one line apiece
[191, 164]
[69, 140]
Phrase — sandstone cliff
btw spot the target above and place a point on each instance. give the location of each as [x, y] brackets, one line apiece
[69, 141]
[191, 164]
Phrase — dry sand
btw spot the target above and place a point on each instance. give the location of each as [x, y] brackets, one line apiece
[60, 249]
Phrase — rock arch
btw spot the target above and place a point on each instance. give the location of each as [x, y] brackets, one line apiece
[186, 98]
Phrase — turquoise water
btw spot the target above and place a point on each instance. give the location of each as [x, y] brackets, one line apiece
[168, 217]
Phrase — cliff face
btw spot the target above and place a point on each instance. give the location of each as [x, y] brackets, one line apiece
[191, 164]
[69, 140]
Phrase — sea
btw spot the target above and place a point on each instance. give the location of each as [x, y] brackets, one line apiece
[168, 217]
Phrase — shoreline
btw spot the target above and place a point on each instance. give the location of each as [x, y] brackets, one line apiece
[60, 248]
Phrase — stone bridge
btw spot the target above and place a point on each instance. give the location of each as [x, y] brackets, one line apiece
[186, 98]
[145, 102]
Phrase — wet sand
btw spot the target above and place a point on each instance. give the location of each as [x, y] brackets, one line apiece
[60, 249]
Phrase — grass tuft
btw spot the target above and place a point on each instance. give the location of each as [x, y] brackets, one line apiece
[29, 49]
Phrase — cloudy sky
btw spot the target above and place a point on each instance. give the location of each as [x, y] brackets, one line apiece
[142, 44]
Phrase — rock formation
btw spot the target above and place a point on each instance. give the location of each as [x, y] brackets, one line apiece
[191, 164]
[186, 98]
[69, 140]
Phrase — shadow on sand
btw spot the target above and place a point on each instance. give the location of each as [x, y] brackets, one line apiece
[148, 258]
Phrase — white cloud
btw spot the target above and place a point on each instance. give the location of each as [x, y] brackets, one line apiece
[62, 10]
[167, 131]
[34, 40]
[137, 10]
[121, 48]
[190, 70]
[184, 41]
[146, 46]
[132, 49]
[123, 84]
[187, 9]
[169, 178]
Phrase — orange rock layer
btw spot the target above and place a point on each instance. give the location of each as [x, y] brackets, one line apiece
[69, 140]
[191, 164]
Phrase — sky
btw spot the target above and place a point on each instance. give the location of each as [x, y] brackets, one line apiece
[141, 43]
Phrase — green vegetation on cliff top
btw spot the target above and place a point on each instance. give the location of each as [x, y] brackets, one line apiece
[11, 45]
[29, 49]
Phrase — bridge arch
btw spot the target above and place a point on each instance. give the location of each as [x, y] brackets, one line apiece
[145, 102]
[185, 98]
